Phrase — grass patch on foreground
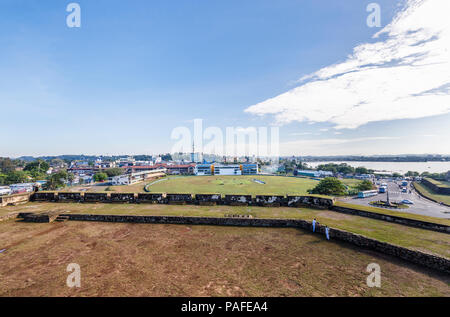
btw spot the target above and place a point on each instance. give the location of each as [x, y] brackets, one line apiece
[179, 260]
[413, 238]
[390, 212]
[428, 192]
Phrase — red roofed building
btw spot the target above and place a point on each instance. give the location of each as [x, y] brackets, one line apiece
[183, 169]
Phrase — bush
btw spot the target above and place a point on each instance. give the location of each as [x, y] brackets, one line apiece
[111, 172]
[15, 177]
[57, 180]
[329, 186]
[100, 177]
[365, 185]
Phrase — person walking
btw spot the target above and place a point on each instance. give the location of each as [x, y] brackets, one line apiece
[327, 232]
[314, 225]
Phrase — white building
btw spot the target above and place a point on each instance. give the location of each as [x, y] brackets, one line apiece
[5, 190]
[121, 180]
[133, 178]
[227, 170]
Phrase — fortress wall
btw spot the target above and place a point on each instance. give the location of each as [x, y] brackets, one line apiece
[15, 199]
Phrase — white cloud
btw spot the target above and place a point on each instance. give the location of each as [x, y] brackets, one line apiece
[406, 75]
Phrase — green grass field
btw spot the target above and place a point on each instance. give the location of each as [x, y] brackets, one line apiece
[276, 185]
[428, 192]
[398, 213]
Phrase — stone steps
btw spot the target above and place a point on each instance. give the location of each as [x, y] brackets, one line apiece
[61, 218]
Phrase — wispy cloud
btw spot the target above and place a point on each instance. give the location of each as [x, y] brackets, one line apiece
[403, 76]
[300, 133]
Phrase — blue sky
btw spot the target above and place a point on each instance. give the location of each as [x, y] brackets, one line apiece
[136, 70]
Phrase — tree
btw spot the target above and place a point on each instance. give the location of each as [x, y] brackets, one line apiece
[100, 177]
[2, 179]
[57, 162]
[166, 157]
[361, 170]
[396, 175]
[6, 165]
[38, 166]
[16, 177]
[365, 185]
[329, 186]
[412, 174]
[36, 174]
[57, 180]
[111, 172]
[336, 168]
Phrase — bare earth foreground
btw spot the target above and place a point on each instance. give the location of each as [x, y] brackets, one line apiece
[179, 260]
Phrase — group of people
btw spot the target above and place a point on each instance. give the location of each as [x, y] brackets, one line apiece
[327, 230]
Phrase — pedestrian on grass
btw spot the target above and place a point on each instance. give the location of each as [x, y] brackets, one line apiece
[327, 232]
[314, 225]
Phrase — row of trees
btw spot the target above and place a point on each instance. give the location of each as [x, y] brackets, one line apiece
[111, 172]
[343, 168]
[9, 173]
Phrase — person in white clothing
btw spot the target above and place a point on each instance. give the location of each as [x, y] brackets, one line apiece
[327, 232]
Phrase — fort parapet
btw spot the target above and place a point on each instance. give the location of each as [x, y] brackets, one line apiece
[96, 197]
[151, 198]
[269, 201]
[208, 199]
[238, 200]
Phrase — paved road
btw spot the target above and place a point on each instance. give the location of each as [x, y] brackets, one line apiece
[421, 205]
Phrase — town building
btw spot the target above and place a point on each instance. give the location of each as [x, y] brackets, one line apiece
[223, 169]
[133, 178]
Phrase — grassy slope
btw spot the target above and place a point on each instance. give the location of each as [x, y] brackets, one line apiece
[397, 213]
[428, 192]
[438, 183]
[167, 260]
[424, 240]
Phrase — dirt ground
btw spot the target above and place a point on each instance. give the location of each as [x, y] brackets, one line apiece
[179, 260]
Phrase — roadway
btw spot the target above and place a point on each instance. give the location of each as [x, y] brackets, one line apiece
[421, 206]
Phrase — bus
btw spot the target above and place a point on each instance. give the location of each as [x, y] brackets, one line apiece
[5, 190]
[382, 189]
[367, 193]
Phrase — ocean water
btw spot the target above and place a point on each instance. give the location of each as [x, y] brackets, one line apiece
[399, 167]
